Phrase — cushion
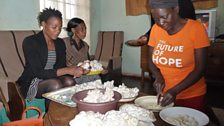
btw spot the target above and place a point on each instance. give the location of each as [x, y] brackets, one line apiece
[4, 86]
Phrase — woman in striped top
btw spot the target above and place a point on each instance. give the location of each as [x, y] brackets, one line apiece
[45, 54]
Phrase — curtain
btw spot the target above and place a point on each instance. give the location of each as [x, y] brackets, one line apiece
[138, 7]
[205, 4]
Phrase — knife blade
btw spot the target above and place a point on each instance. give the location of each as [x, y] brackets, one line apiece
[158, 98]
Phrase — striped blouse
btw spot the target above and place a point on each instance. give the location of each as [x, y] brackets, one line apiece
[51, 59]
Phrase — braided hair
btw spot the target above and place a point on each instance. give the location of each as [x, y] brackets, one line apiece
[48, 13]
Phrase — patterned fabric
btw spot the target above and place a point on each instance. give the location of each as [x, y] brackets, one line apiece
[51, 59]
[86, 78]
[75, 55]
[32, 92]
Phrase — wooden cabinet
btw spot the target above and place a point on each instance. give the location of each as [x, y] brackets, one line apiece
[214, 74]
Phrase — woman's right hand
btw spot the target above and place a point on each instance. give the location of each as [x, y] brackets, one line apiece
[75, 71]
[159, 84]
[78, 71]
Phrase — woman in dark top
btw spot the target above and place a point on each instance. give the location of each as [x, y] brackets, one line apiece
[77, 50]
[45, 56]
[186, 10]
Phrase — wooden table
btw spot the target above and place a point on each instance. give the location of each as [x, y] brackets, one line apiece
[60, 115]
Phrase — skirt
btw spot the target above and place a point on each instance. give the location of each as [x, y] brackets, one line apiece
[33, 88]
[86, 78]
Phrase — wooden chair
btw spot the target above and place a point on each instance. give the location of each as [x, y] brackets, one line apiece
[4, 102]
[16, 102]
[109, 53]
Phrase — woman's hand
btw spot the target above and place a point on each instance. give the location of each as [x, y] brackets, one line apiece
[78, 71]
[85, 71]
[159, 84]
[74, 71]
[142, 40]
[168, 98]
[104, 71]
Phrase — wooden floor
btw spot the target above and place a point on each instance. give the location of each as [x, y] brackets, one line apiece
[214, 96]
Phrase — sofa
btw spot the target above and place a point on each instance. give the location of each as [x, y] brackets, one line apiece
[11, 66]
[108, 53]
[12, 63]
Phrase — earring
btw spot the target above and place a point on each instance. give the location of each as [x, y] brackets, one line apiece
[70, 34]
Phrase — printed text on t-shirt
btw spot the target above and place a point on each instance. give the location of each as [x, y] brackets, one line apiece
[159, 57]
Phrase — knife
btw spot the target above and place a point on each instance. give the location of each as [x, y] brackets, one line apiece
[158, 98]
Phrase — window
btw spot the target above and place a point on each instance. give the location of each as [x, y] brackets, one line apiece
[208, 19]
[70, 9]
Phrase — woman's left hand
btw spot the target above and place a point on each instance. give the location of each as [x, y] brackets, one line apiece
[168, 98]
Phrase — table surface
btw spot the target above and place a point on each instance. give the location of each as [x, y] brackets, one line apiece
[60, 115]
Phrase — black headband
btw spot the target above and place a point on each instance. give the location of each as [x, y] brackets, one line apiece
[162, 3]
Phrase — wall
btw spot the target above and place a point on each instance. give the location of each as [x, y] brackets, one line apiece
[110, 14]
[19, 14]
[95, 23]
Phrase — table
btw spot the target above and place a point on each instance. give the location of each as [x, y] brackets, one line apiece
[60, 115]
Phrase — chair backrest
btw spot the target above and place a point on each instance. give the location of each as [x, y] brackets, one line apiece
[11, 53]
[16, 102]
[110, 44]
[4, 102]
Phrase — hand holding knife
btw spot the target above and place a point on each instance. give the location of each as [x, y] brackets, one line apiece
[159, 84]
[159, 89]
[158, 98]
